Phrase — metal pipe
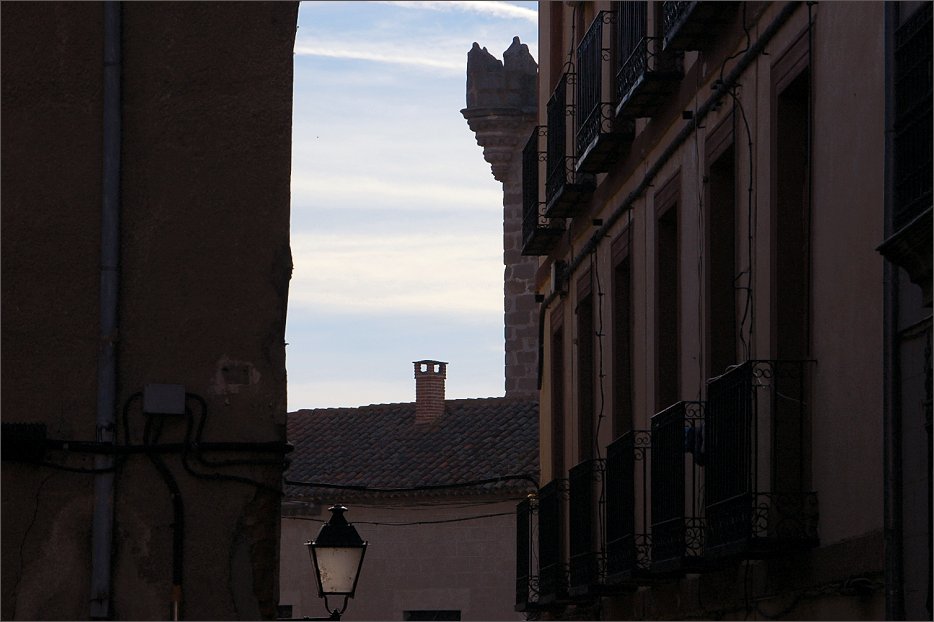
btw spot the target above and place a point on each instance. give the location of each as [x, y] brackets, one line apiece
[102, 527]
[891, 407]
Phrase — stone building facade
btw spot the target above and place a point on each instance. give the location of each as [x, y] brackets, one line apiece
[146, 266]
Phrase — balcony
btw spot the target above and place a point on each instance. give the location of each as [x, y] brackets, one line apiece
[566, 189]
[628, 546]
[645, 76]
[586, 555]
[694, 25]
[755, 477]
[601, 138]
[913, 118]
[526, 580]
[552, 527]
[677, 475]
[909, 246]
[539, 234]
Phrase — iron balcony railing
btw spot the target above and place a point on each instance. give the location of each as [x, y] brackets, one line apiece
[526, 579]
[585, 522]
[552, 524]
[628, 546]
[539, 234]
[565, 189]
[693, 25]
[644, 75]
[677, 471]
[755, 478]
[600, 137]
[673, 14]
[913, 117]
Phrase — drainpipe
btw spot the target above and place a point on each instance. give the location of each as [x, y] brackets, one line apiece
[891, 379]
[102, 528]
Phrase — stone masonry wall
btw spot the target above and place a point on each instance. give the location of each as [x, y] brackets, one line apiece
[501, 111]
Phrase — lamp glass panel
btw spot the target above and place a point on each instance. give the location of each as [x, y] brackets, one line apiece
[338, 568]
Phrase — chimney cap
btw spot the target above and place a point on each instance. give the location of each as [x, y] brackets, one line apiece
[430, 367]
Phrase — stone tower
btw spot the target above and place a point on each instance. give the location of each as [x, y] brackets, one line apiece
[501, 111]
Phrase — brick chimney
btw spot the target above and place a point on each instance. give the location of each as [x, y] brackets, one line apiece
[429, 390]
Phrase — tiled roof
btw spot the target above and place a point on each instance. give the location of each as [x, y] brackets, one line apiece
[381, 446]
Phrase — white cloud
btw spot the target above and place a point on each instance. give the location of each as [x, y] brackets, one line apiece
[323, 392]
[451, 273]
[353, 190]
[378, 53]
[495, 9]
[424, 46]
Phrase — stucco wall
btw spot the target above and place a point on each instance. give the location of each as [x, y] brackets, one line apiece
[206, 115]
[847, 270]
[467, 566]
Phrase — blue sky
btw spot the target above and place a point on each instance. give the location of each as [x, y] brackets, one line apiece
[396, 219]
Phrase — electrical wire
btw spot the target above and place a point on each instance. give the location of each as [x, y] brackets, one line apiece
[70, 469]
[740, 52]
[375, 489]
[432, 504]
[198, 445]
[22, 544]
[601, 375]
[178, 512]
[701, 240]
[214, 475]
[601, 378]
[748, 307]
[439, 521]
[569, 63]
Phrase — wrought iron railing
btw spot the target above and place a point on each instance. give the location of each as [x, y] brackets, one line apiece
[565, 189]
[526, 577]
[755, 478]
[558, 111]
[538, 232]
[585, 521]
[644, 73]
[595, 114]
[673, 13]
[677, 460]
[694, 25]
[628, 546]
[553, 569]
[630, 45]
[913, 117]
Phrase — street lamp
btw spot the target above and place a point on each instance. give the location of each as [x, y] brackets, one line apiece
[337, 557]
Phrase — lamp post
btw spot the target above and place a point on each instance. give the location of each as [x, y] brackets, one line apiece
[337, 557]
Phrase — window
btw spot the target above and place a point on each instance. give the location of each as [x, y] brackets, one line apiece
[913, 154]
[667, 295]
[622, 338]
[720, 250]
[585, 371]
[557, 398]
[790, 273]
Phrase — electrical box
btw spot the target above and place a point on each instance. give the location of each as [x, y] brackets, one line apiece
[23, 442]
[164, 399]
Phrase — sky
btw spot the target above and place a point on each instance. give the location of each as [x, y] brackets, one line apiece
[396, 222]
